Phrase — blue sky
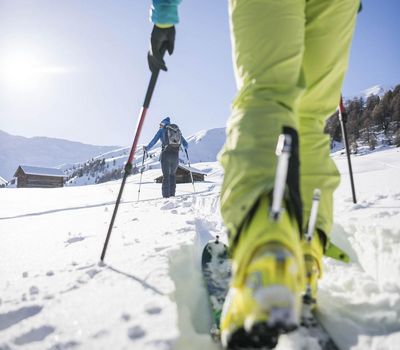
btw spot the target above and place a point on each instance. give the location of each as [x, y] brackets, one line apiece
[77, 69]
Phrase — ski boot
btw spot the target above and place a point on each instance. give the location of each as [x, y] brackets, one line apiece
[264, 299]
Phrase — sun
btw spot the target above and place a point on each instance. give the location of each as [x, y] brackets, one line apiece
[20, 68]
[27, 69]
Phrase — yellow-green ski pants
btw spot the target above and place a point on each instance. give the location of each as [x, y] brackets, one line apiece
[290, 59]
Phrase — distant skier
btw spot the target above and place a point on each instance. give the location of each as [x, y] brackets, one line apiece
[171, 141]
[290, 57]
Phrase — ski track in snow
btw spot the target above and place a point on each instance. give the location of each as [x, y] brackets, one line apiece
[149, 293]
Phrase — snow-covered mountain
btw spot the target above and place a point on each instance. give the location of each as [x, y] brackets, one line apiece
[149, 295]
[42, 151]
[203, 147]
[373, 90]
[378, 89]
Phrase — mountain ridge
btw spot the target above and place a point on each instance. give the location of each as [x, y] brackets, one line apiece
[43, 151]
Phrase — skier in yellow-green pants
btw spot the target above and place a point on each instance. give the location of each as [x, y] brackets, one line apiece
[290, 59]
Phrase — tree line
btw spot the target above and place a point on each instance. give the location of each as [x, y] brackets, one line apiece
[369, 121]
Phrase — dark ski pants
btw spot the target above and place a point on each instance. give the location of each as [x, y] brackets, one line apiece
[169, 165]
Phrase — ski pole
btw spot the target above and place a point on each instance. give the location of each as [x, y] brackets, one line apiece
[128, 165]
[343, 120]
[141, 173]
[190, 170]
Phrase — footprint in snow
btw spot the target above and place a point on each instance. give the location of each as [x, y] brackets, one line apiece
[136, 332]
[92, 272]
[153, 309]
[89, 274]
[126, 317]
[10, 318]
[33, 290]
[65, 346]
[34, 335]
[74, 240]
[168, 206]
[159, 249]
[100, 334]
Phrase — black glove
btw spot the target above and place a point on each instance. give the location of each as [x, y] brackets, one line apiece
[162, 39]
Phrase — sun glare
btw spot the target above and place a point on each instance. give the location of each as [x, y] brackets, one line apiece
[19, 69]
[24, 69]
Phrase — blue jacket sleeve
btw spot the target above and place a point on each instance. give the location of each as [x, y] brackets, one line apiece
[184, 143]
[165, 11]
[156, 137]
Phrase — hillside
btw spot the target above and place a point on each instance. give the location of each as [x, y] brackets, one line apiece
[203, 147]
[42, 151]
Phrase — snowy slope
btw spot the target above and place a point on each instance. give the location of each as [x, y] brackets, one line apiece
[149, 295]
[42, 151]
[203, 147]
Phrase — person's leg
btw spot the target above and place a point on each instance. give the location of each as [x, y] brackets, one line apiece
[165, 171]
[268, 40]
[173, 169]
[329, 30]
[268, 45]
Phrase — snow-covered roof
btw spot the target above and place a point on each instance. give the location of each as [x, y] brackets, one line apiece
[3, 181]
[193, 170]
[34, 170]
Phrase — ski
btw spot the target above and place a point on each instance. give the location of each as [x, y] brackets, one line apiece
[310, 327]
[217, 269]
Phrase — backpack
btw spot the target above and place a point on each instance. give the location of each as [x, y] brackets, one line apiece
[174, 136]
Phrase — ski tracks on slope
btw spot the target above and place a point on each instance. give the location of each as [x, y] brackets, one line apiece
[184, 266]
[190, 294]
[360, 301]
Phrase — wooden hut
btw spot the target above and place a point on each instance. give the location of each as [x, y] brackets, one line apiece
[183, 175]
[32, 176]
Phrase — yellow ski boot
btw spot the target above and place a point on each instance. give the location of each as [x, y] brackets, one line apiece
[264, 299]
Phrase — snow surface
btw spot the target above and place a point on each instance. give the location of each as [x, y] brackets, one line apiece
[55, 295]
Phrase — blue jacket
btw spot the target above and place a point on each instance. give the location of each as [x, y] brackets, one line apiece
[161, 135]
[165, 11]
